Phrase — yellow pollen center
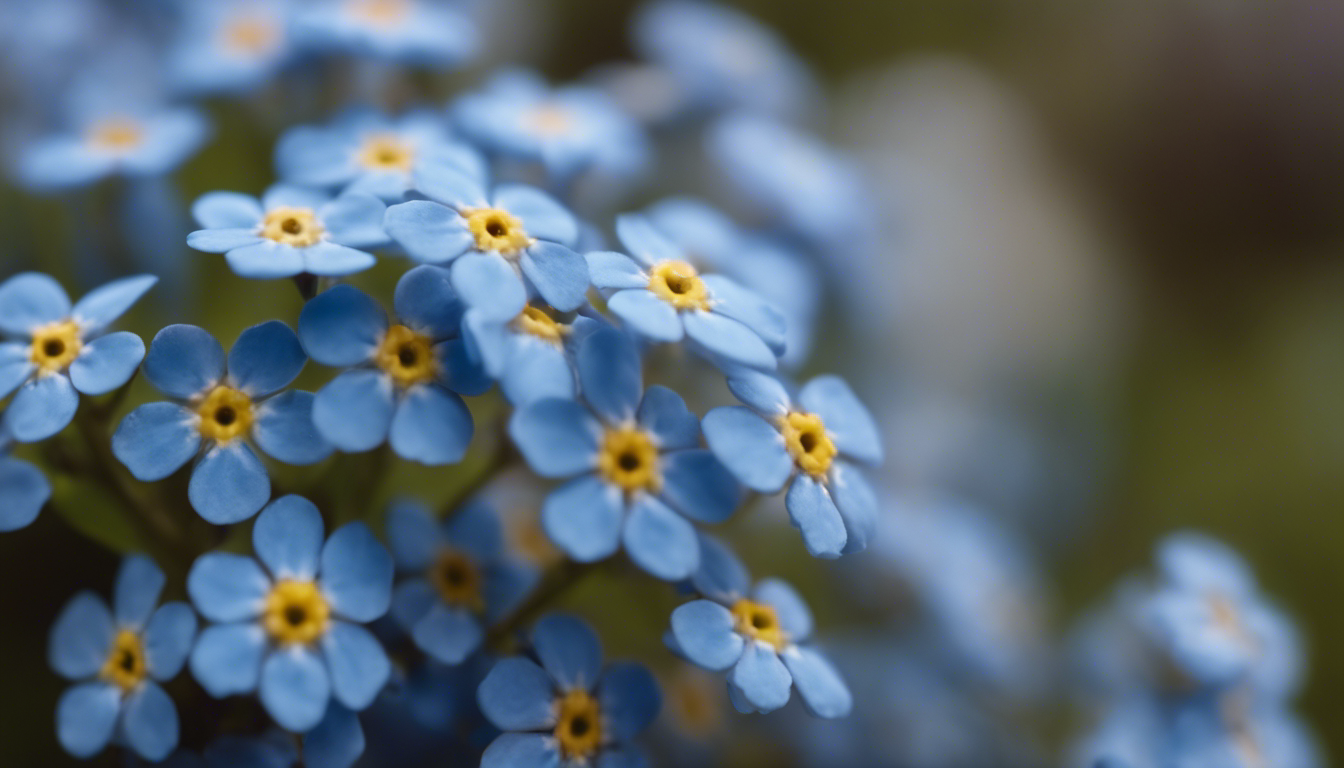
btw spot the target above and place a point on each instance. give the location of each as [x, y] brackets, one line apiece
[125, 665]
[805, 437]
[386, 153]
[225, 414]
[549, 119]
[498, 230]
[457, 580]
[677, 283]
[117, 133]
[407, 356]
[55, 346]
[295, 613]
[629, 459]
[292, 226]
[381, 12]
[579, 726]
[758, 621]
[250, 35]
[541, 325]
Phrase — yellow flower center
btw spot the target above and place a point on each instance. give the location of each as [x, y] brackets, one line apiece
[541, 325]
[457, 580]
[116, 133]
[381, 12]
[805, 437]
[295, 613]
[549, 119]
[407, 356]
[758, 621]
[292, 226]
[579, 726]
[250, 34]
[125, 666]
[677, 283]
[386, 152]
[55, 346]
[497, 230]
[225, 414]
[629, 459]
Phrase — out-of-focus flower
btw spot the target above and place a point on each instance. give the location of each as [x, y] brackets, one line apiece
[531, 355]
[233, 46]
[23, 488]
[429, 33]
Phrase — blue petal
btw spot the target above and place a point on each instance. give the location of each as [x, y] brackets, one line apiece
[81, 637]
[425, 300]
[342, 326]
[739, 700]
[86, 717]
[139, 583]
[557, 437]
[660, 541]
[792, 612]
[665, 414]
[644, 242]
[266, 260]
[429, 232]
[611, 270]
[431, 426]
[29, 300]
[358, 665]
[749, 447]
[721, 576]
[168, 639]
[521, 750]
[356, 573]
[354, 410]
[647, 315]
[183, 361]
[448, 634]
[583, 518]
[63, 161]
[149, 722]
[847, 421]
[295, 688]
[762, 391]
[568, 650]
[733, 301]
[559, 274]
[41, 408]
[704, 631]
[284, 195]
[459, 371]
[487, 282]
[622, 756]
[107, 362]
[284, 429]
[475, 529]
[227, 210]
[355, 219]
[857, 503]
[629, 697]
[815, 516]
[824, 692]
[610, 375]
[762, 678]
[728, 339]
[106, 303]
[226, 587]
[266, 358]
[336, 742]
[155, 440]
[517, 695]
[698, 486]
[229, 484]
[227, 658]
[335, 260]
[450, 186]
[536, 370]
[23, 491]
[412, 534]
[287, 537]
[543, 216]
[15, 367]
[412, 599]
[223, 240]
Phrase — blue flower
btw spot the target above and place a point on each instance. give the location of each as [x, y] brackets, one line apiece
[121, 656]
[293, 629]
[569, 710]
[567, 130]
[661, 296]
[364, 150]
[290, 231]
[499, 246]
[634, 457]
[233, 46]
[755, 635]
[403, 377]
[64, 351]
[531, 355]
[220, 404]
[430, 33]
[804, 444]
[23, 489]
[462, 577]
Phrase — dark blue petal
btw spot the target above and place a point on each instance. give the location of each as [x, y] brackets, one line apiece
[342, 326]
[156, 439]
[665, 414]
[475, 529]
[698, 486]
[227, 587]
[521, 750]
[23, 491]
[412, 599]
[848, 423]
[448, 634]
[610, 375]
[660, 541]
[106, 303]
[506, 584]
[227, 658]
[284, 429]
[792, 612]
[229, 485]
[336, 742]
[647, 315]
[168, 638]
[432, 426]
[824, 692]
[459, 371]
[139, 582]
[41, 408]
[149, 722]
[354, 410]
[721, 576]
[425, 301]
[266, 358]
[412, 534]
[357, 573]
[559, 274]
[86, 717]
[359, 667]
[568, 650]
[751, 448]
[107, 362]
[814, 514]
[762, 678]
[557, 437]
[29, 300]
[583, 518]
[295, 688]
[287, 538]
[630, 698]
[81, 637]
[183, 361]
[704, 632]
[517, 695]
[487, 282]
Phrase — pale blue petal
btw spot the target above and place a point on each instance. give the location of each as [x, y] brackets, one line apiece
[428, 232]
[229, 484]
[108, 302]
[583, 518]
[81, 637]
[824, 692]
[355, 219]
[223, 240]
[521, 750]
[733, 301]
[425, 300]
[487, 282]
[431, 426]
[227, 658]
[704, 631]
[663, 413]
[284, 195]
[107, 362]
[536, 371]
[284, 429]
[848, 422]
[29, 300]
[609, 269]
[660, 541]
[149, 722]
[15, 367]
[517, 695]
[266, 358]
[815, 516]
[611, 375]
[448, 634]
[23, 491]
[357, 573]
[287, 538]
[336, 742]
[728, 339]
[629, 697]
[751, 448]
[227, 587]
[857, 503]
[647, 315]
[266, 260]
[342, 326]
[86, 717]
[543, 216]
[721, 575]
[183, 361]
[569, 651]
[41, 408]
[762, 391]
[227, 210]
[412, 534]
[557, 437]
[762, 678]
[139, 583]
[354, 410]
[156, 439]
[335, 260]
[359, 667]
[295, 688]
[698, 486]
[450, 185]
[793, 614]
[559, 274]
[168, 639]
[739, 700]
[645, 243]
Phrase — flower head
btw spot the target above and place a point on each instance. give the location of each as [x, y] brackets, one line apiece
[425, 32]
[233, 46]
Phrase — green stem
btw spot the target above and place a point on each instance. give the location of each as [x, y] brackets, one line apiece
[554, 583]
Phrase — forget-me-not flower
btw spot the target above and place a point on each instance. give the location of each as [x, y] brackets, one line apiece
[119, 658]
[290, 231]
[569, 710]
[404, 378]
[229, 46]
[531, 355]
[220, 404]
[292, 630]
[755, 634]
[64, 351]
[634, 457]
[23, 489]
[804, 443]
[431, 33]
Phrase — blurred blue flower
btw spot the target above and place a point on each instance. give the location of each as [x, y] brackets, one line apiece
[501, 247]
[403, 378]
[807, 444]
[661, 296]
[634, 457]
[233, 46]
[462, 577]
[121, 656]
[222, 405]
[290, 231]
[430, 33]
[292, 630]
[754, 633]
[531, 355]
[23, 488]
[64, 351]
[569, 710]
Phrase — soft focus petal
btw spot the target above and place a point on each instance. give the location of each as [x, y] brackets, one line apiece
[106, 303]
[630, 698]
[412, 534]
[357, 573]
[815, 516]
[355, 219]
[698, 486]
[559, 274]
[557, 437]
[227, 658]
[450, 186]
[227, 587]
[81, 637]
[848, 422]
[645, 243]
[223, 240]
[610, 375]
[86, 716]
[857, 503]
[521, 750]
[665, 414]
[29, 300]
[517, 695]
[432, 426]
[107, 362]
[487, 282]
[611, 270]
[721, 575]
[342, 326]
[762, 391]
[229, 485]
[168, 639]
[569, 651]
[23, 492]
[728, 339]
[647, 315]
[183, 361]
[354, 410]
[149, 722]
[359, 667]
[821, 687]
[583, 518]
[41, 408]
[660, 541]
[139, 583]
[429, 232]
[156, 439]
[733, 301]
[295, 688]
[336, 742]
[749, 447]
[448, 634]
[762, 678]
[543, 216]
[227, 210]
